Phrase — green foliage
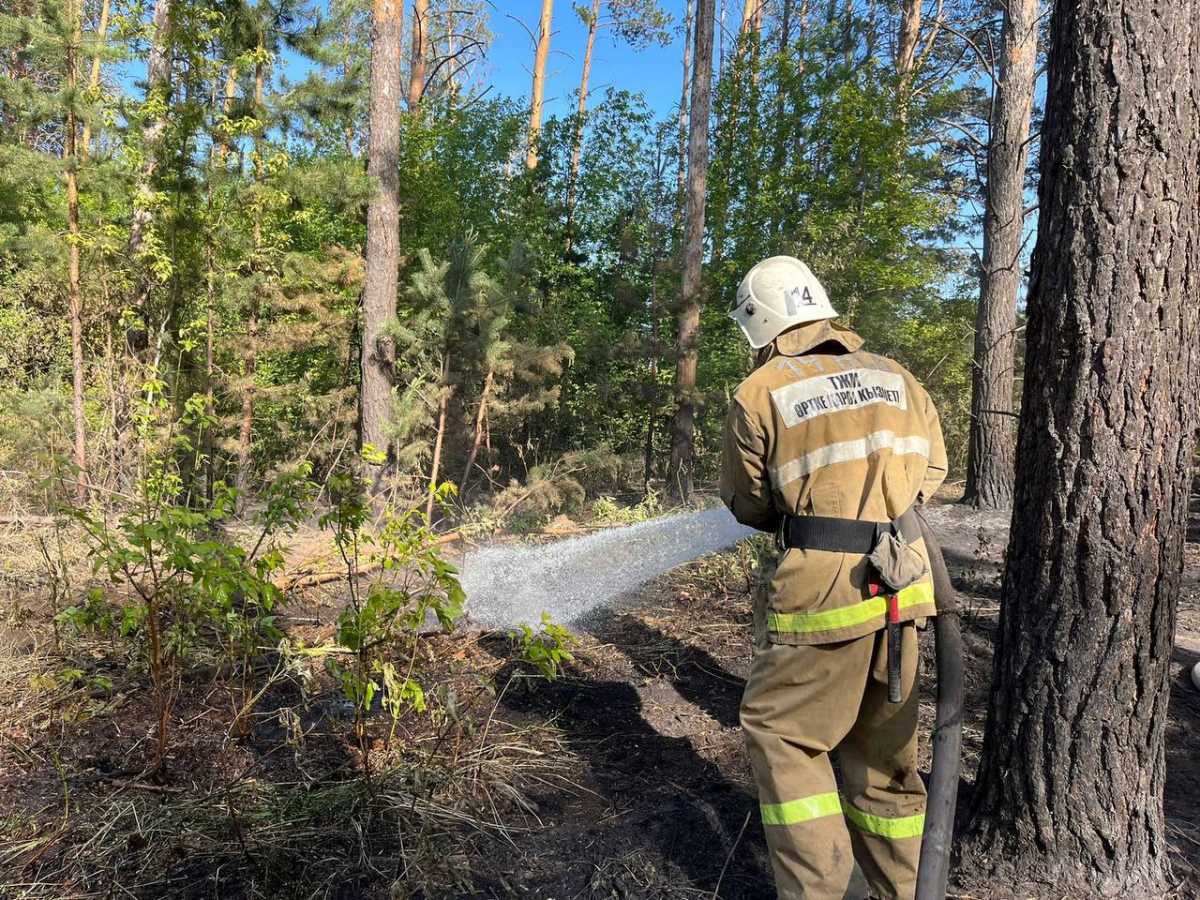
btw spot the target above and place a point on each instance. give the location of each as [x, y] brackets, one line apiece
[465, 374]
[174, 576]
[547, 649]
[815, 157]
[526, 330]
[609, 511]
[560, 485]
[380, 628]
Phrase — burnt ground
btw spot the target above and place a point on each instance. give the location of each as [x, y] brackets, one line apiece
[624, 778]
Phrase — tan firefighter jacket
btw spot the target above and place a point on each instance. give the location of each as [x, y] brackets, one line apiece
[825, 428]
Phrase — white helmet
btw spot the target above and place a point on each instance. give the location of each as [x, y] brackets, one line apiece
[775, 295]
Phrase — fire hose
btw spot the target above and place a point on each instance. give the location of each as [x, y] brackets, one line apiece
[934, 868]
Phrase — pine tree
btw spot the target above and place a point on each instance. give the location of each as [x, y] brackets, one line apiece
[1069, 789]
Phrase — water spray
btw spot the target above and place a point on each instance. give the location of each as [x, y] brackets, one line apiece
[506, 586]
[570, 578]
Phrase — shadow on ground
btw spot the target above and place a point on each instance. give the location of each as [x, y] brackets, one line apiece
[664, 804]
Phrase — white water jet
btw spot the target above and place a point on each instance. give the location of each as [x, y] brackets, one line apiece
[569, 578]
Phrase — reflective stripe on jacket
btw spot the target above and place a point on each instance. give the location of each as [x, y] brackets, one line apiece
[824, 428]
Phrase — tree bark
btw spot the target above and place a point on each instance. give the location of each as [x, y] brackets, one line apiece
[219, 148]
[435, 465]
[907, 38]
[720, 42]
[577, 143]
[750, 16]
[420, 32]
[383, 226]
[221, 144]
[477, 440]
[94, 80]
[681, 172]
[1070, 784]
[683, 446]
[250, 364]
[158, 77]
[75, 297]
[451, 83]
[539, 84]
[992, 435]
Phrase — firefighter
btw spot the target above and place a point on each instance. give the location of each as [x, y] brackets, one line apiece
[829, 447]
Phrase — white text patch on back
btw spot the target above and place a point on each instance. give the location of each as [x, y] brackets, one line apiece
[838, 391]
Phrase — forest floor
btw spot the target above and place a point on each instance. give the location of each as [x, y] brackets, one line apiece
[624, 778]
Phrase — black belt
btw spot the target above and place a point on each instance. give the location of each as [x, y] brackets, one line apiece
[842, 535]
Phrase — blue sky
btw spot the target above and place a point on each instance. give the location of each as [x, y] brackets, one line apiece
[655, 71]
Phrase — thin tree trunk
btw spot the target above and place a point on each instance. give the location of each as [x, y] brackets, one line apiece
[383, 227]
[539, 84]
[1070, 783]
[581, 111]
[992, 435]
[908, 37]
[420, 38]
[683, 446]
[759, 30]
[246, 424]
[451, 84]
[435, 465]
[246, 429]
[221, 146]
[478, 438]
[872, 27]
[652, 394]
[721, 40]
[749, 17]
[94, 79]
[681, 172]
[783, 123]
[70, 163]
[210, 405]
[158, 77]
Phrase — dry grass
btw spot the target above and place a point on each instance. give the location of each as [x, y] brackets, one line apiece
[413, 827]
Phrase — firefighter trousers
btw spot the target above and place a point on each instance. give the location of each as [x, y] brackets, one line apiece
[804, 703]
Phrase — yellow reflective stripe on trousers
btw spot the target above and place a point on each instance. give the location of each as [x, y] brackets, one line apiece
[793, 812]
[881, 826]
[818, 806]
[848, 616]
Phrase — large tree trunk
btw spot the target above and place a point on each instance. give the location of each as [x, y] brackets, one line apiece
[539, 84]
[683, 445]
[158, 77]
[1070, 785]
[420, 42]
[577, 143]
[383, 225]
[990, 448]
[94, 80]
[75, 297]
